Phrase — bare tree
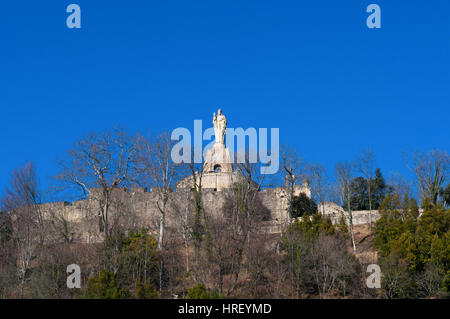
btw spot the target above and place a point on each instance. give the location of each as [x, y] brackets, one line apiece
[21, 201]
[397, 279]
[320, 264]
[48, 278]
[292, 167]
[257, 262]
[278, 271]
[158, 170]
[200, 219]
[401, 187]
[236, 233]
[244, 213]
[297, 248]
[253, 173]
[332, 266]
[224, 251]
[429, 281]
[318, 183]
[183, 211]
[247, 193]
[432, 171]
[191, 213]
[344, 177]
[97, 167]
[365, 166]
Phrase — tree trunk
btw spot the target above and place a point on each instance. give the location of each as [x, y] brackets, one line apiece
[185, 237]
[370, 202]
[161, 229]
[105, 211]
[350, 215]
[160, 246]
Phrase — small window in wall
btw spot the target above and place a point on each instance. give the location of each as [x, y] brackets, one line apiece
[217, 168]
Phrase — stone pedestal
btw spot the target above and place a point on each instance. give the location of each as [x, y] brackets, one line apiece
[218, 159]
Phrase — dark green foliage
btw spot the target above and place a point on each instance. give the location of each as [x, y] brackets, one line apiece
[145, 290]
[134, 259]
[379, 189]
[311, 227]
[342, 226]
[303, 205]
[414, 251]
[445, 195]
[445, 286]
[198, 227]
[360, 192]
[322, 225]
[199, 291]
[104, 286]
[5, 227]
[398, 217]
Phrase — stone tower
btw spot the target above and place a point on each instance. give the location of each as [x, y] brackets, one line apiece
[217, 171]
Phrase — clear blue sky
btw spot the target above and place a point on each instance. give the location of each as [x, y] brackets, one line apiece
[311, 68]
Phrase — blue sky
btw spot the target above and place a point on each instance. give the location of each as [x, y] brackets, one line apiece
[311, 68]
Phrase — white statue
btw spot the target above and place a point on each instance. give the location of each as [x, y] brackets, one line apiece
[218, 158]
[220, 126]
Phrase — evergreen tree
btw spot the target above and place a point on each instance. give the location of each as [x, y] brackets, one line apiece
[199, 291]
[380, 189]
[303, 205]
[413, 249]
[445, 195]
[360, 193]
[145, 290]
[104, 286]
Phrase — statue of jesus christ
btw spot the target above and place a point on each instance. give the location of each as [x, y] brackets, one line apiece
[220, 126]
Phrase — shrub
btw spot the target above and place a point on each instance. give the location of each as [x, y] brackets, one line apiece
[303, 205]
[104, 287]
[199, 291]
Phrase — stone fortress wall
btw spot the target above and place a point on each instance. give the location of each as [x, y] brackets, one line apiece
[140, 206]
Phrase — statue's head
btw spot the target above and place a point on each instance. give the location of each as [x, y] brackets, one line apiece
[219, 112]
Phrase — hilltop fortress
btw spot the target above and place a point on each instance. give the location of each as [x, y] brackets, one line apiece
[138, 208]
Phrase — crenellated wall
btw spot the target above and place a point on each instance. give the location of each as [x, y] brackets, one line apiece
[138, 208]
